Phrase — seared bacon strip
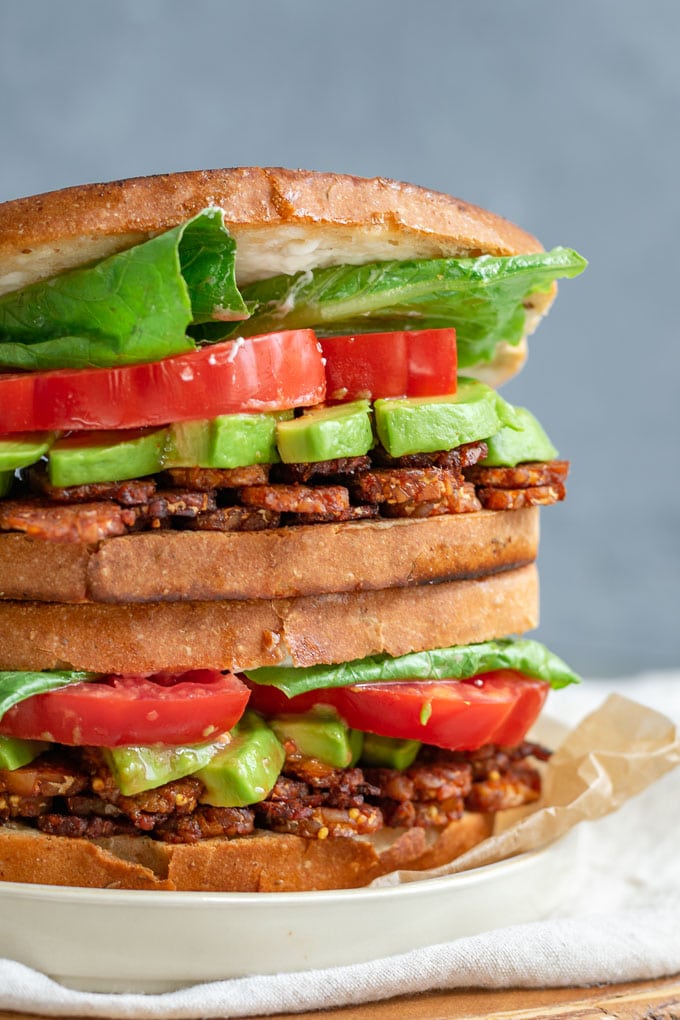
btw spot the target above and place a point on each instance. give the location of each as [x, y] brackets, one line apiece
[343, 466]
[405, 485]
[80, 522]
[205, 479]
[76, 827]
[236, 518]
[523, 476]
[29, 791]
[45, 777]
[426, 782]
[12, 806]
[297, 499]
[206, 823]
[424, 815]
[462, 500]
[133, 492]
[351, 513]
[319, 822]
[515, 499]
[499, 791]
[460, 457]
[169, 503]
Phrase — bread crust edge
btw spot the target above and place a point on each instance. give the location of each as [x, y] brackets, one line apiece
[278, 563]
[265, 862]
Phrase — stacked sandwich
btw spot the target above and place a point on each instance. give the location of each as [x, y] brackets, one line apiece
[267, 530]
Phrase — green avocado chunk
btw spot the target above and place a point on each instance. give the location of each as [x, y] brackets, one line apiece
[389, 752]
[15, 752]
[228, 441]
[107, 456]
[512, 446]
[24, 448]
[320, 734]
[425, 424]
[139, 768]
[326, 433]
[245, 771]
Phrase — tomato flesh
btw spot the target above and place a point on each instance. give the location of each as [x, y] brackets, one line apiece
[187, 708]
[462, 715]
[417, 363]
[263, 373]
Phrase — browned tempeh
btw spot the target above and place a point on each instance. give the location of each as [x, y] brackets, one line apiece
[236, 518]
[515, 499]
[403, 485]
[218, 478]
[462, 500]
[297, 499]
[129, 493]
[352, 513]
[340, 466]
[179, 503]
[455, 460]
[80, 522]
[522, 476]
[500, 791]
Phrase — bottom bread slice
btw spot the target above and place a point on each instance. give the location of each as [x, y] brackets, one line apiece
[263, 862]
[245, 634]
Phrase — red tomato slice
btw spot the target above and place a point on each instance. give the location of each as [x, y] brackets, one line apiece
[188, 708]
[418, 363]
[461, 715]
[263, 373]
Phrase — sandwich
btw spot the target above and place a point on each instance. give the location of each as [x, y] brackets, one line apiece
[268, 530]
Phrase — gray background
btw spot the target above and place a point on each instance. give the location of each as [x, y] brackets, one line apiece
[561, 116]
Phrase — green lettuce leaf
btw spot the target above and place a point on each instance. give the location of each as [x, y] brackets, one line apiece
[459, 663]
[16, 686]
[131, 307]
[482, 297]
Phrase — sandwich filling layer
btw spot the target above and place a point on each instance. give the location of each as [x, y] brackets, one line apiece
[264, 528]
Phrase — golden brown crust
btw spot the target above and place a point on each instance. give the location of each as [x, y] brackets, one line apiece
[283, 221]
[124, 638]
[286, 562]
[37, 570]
[121, 213]
[264, 862]
[27, 855]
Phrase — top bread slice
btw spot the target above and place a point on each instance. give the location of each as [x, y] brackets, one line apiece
[284, 221]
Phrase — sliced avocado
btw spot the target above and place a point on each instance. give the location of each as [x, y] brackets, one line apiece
[136, 769]
[107, 456]
[389, 752]
[510, 446]
[24, 448]
[15, 752]
[326, 433]
[6, 479]
[424, 424]
[320, 734]
[228, 441]
[356, 745]
[245, 771]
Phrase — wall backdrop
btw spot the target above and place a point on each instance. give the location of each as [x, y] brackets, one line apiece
[563, 117]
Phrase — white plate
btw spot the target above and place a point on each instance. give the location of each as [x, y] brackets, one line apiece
[118, 940]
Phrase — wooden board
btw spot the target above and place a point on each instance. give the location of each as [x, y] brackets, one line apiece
[649, 1000]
